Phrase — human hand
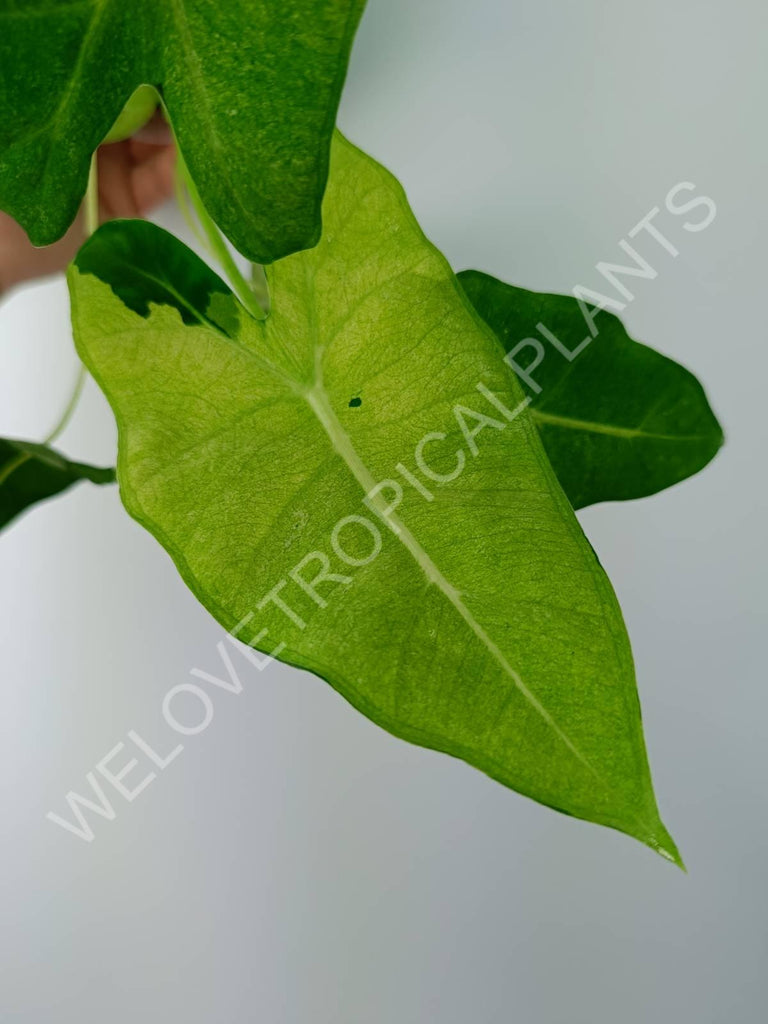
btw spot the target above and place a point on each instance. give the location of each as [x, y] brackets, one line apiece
[134, 176]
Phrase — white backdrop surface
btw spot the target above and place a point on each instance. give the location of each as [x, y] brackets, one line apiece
[297, 864]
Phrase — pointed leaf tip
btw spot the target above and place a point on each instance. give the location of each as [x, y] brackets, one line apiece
[482, 625]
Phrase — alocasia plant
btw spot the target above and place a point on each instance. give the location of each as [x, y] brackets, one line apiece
[350, 476]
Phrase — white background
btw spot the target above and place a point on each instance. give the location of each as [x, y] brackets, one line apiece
[295, 864]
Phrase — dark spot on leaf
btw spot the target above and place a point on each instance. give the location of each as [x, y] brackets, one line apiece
[354, 403]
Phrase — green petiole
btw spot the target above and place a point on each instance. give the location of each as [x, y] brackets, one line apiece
[213, 240]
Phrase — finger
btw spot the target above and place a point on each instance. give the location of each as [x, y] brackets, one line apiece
[152, 181]
[21, 261]
[115, 194]
[134, 178]
[143, 151]
[156, 131]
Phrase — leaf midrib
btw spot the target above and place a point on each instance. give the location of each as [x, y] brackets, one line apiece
[342, 444]
[591, 427]
[205, 321]
[55, 121]
[197, 82]
[7, 471]
[318, 401]
[21, 459]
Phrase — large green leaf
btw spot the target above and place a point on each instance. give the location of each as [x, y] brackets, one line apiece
[251, 87]
[618, 419]
[31, 472]
[478, 621]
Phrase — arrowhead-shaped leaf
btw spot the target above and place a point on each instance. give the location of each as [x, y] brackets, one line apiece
[618, 420]
[31, 472]
[251, 89]
[472, 618]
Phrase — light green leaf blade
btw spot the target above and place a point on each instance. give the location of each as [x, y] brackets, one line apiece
[251, 87]
[30, 473]
[618, 420]
[478, 622]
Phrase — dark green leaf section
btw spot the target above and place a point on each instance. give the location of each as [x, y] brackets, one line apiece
[31, 472]
[251, 87]
[142, 265]
[618, 420]
[466, 612]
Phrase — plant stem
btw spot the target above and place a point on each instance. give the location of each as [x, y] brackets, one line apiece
[218, 247]
[182, 198]
[91, 225]
[259, 285]
[92, 197]
[70, 407]
[66, 416]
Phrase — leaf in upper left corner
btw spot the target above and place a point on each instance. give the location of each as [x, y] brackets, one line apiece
[251, 88]
[30, 473]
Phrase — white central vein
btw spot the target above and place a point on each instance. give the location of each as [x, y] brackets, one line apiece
[342, 443]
